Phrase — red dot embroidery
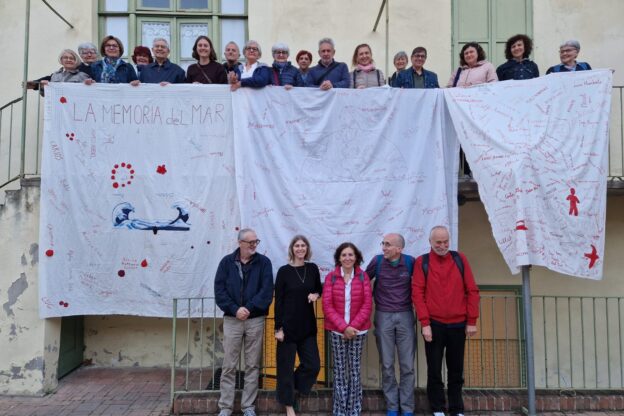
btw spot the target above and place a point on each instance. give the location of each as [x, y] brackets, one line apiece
[63, 100]
[49, 253]
[144, 263]
[121, 175]
[121, 273]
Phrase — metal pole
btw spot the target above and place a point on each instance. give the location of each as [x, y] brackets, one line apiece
[24, 90]
[387, 36]
[528, 335]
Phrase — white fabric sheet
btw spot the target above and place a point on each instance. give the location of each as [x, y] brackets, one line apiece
[538, 150]
[344, 165]
[138, 197]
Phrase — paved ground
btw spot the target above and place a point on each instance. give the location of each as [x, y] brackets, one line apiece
[128, 392]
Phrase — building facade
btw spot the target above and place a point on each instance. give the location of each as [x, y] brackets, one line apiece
[442, 26]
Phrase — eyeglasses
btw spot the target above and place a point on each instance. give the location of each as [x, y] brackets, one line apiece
[280, 53]
[88, 53]
[111, 46]
[251, 49]
[251, 243]
[420, 56]
[567, 50]
[386, 244]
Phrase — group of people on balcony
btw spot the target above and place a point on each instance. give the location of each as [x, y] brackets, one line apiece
[155, 67]
[438, 285]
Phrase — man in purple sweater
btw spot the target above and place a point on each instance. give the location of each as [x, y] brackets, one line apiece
[394, 322]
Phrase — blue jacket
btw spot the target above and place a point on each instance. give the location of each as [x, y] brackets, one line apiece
[124, 73]
[405, 79]
[512, 69]
[236, 68]
[336, 72]
[167, 72]
[254, 293]
[260, 78]
[580, 66]
[289, 75]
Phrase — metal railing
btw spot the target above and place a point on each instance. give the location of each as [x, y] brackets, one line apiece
[578, 343]
[11, 164]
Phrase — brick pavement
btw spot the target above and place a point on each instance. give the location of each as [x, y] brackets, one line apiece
[92, 391]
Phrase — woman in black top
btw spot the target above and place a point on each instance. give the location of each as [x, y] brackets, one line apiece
[518, 65]
[297, 287]
[207, 70]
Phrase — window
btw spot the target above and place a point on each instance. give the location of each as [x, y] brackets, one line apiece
[490, 23]
[139, 22]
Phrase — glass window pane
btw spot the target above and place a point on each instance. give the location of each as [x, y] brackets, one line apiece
[153, 30]
[156, 4]
[194, 4]
[118, 27]
[233, 6]
[185, 63]
[232, 30]
[188, 34]
[116, 5]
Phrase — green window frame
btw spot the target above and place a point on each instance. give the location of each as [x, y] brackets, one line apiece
[176, 17]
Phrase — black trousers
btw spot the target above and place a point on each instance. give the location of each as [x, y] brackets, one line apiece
[452, 340]
[303, 378]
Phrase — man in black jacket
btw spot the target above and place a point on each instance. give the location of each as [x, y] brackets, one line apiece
[243, 291]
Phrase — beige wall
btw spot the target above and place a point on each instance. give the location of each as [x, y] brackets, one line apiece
[597, 25]
[29, 345]
[350, 22]
[48, 36]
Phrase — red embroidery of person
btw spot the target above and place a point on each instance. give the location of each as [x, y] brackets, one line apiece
[161, 169]
[573, 201]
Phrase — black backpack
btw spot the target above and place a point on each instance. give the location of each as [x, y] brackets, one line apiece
[456, 258]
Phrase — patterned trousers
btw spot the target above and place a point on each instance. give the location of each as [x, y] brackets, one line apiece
[347, 354]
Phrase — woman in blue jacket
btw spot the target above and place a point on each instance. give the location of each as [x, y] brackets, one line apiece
[111, 69]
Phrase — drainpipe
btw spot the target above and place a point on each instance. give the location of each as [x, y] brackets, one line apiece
[24, 90]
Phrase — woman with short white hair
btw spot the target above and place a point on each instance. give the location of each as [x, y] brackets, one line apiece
[568, 52]
[69, 71]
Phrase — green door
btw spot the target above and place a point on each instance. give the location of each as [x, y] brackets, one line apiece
[72, 344]
[490, 23]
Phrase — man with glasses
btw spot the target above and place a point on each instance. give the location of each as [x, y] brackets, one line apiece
[394, 322]
[417, 76]
[243, 291]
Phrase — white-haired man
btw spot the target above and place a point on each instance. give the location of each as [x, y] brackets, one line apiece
[446, 298]
[162, 71]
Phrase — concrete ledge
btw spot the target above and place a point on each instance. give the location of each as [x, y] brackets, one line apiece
[319, 402]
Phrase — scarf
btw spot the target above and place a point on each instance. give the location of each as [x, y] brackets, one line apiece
[366, 68]
[109, 72]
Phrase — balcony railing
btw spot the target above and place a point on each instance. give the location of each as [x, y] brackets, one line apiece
[578, 344]
[12, 165]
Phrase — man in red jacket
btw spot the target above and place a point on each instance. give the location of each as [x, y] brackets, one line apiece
[446, 298]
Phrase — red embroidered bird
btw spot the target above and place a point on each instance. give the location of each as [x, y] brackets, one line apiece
[593, 256]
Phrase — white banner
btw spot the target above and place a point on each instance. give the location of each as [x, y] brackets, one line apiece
[344, 165]
[538, 150]
[138, 197]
